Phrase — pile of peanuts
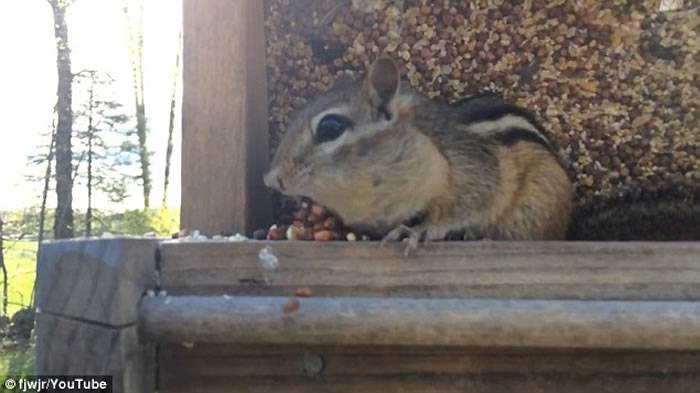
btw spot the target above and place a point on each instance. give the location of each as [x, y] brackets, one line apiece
[309, 221]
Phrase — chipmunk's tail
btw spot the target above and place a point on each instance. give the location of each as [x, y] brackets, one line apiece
[662, 214]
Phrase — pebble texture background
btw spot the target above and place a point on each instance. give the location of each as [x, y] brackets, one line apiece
[615, 83]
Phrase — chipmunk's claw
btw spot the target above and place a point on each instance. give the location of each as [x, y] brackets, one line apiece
[395, 234]
[413, 237]
[411, 245]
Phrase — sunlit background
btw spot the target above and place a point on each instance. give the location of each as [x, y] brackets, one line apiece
[98, 41]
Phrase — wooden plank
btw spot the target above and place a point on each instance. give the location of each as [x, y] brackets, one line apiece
[87, 301]
[170, 383]
[281, 368]
[498, 270]
[98, 280]
[243, 361]
[69, 347]
[424, 322]
[224, 125]
[558, 272]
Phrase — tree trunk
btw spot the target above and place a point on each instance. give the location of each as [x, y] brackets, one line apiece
[171, 125]
[88, 213]
[135, 29]
[143, 153]
[5, 284]
[44, 195]
[63, 224]
[45, 191]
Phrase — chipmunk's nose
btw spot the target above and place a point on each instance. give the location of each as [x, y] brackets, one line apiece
[273, 180]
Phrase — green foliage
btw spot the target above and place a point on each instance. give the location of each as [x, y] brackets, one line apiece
[24, 223]
[17, 361]
[162, 222]
[104, 150]
[20, 260]
[104, 153]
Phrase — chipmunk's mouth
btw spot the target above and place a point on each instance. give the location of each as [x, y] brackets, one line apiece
[280, 184]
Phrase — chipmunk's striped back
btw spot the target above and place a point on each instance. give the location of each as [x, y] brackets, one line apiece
[488, 114]
[532, 195]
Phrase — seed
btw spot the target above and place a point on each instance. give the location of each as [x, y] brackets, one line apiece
[319, 210]
[323, 236]
[303, 292]
[296, 233]
[330, 223]
[291, 305]
[277, 233]
[260, 234]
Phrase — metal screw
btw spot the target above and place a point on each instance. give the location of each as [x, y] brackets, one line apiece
[313, 365]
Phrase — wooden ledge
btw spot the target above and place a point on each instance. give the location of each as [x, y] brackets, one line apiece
[491, 270]
[423, 322]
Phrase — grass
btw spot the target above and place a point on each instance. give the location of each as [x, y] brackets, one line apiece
[20, 259]
[17, 360]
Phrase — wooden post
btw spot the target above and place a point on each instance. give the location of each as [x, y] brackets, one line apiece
[224, 126]
[87, 305]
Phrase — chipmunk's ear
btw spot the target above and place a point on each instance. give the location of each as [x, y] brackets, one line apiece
[383, 83]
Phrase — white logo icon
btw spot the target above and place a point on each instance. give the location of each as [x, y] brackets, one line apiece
[10, 384]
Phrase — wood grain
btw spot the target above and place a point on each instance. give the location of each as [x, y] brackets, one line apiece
[69, 347]
[237, 361]
[423, 384]
[280, 368]
[424, 322]
[98, 281]
[88, 293]
[224, 125]
[496, 270]
[583, 275]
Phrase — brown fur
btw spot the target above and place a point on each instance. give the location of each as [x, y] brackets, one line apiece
[534, 201]
[420, 160]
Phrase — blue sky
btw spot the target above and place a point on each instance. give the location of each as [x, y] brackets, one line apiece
[98, 41]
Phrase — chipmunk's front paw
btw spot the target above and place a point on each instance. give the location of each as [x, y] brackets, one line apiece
[413, 237]
[395, 234]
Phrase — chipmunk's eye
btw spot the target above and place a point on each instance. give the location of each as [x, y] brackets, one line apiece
[331, 127]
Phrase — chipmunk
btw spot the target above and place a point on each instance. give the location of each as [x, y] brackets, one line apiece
[391, 162]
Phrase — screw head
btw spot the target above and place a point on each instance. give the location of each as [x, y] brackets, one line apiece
[313, 365]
